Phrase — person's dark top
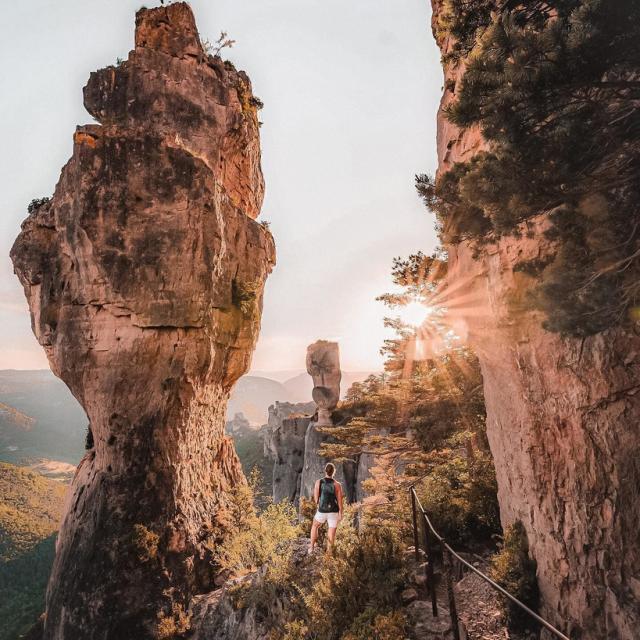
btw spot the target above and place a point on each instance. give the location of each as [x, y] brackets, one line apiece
[328, 502]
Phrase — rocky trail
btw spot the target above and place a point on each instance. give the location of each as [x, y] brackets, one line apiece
[217, 615]
[478, 605]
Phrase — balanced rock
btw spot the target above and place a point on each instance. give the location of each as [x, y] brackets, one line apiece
[144, 275]
[323, 365]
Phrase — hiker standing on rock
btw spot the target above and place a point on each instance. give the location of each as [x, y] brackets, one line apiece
[327, 495]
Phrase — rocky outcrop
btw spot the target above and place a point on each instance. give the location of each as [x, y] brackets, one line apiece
[284, 444]
[323, 365]
[314, 464]
[217, 616]
[562, 421]
[144, 275]
[292, 438]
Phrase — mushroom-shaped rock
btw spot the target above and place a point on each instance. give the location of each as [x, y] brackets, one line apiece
[323, 365]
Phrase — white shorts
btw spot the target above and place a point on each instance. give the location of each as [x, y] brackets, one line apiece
[331, 518]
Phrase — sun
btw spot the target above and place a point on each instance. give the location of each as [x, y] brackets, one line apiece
[414, 313]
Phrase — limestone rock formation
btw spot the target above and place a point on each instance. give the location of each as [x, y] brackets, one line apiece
[323, 365]
[314, 464]
[144, 275]
[562, 421]
[292, 438]
[284, 444]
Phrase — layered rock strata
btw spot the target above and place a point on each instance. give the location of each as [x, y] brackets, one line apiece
[562, 421]
[144, 275]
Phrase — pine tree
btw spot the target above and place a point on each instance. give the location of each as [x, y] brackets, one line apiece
[423, 419]
[555, 89]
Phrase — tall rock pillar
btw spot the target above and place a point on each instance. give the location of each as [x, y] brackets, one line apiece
[323, 365]
[562, 419]
[144, 275]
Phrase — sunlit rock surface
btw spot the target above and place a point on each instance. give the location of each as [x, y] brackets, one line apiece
[294, 434]
[323, 365]
[144, 275]
[562, 421]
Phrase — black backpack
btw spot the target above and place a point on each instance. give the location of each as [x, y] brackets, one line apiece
[328, 502]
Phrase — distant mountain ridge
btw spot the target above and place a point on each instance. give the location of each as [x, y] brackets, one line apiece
[16, 418]
[252, 396]
[56, 422]
[41, 420]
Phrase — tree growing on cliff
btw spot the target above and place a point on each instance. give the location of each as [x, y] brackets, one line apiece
[554, 88]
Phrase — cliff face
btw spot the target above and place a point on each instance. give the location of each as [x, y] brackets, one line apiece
[562, 418]
[284, 444]
[144, 275]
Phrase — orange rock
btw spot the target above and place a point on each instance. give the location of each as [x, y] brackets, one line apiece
[144, 275]
[562, 422]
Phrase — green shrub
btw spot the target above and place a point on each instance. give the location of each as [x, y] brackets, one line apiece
[36, 203]
[515, 571]
[367, 571]
[277, 584]
[296, 630]
[257, 537]
[561, 135]
[145, 543]
[460, 497]
[244, 295]
[173, 624]
[371, 625]
[307, 511]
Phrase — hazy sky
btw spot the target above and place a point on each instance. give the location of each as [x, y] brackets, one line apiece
[350, 90]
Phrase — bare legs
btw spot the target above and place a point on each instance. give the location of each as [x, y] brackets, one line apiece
[332, 537]
[314, 535]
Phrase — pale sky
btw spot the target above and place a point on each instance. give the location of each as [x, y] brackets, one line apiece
[350, 88]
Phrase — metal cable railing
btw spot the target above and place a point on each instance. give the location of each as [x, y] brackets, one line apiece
[448, 554]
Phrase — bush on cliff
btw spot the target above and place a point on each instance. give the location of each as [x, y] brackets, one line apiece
[252, 547]
[366, 572]
[515, 571]
[254, 537]
[373, 625]
[552, 86]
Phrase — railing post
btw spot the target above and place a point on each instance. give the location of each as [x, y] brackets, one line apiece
[415, 523]
[428, 569]
[448, 556]
[447, 561]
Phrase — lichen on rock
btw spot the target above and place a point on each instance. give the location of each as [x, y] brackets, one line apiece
[130, 272]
